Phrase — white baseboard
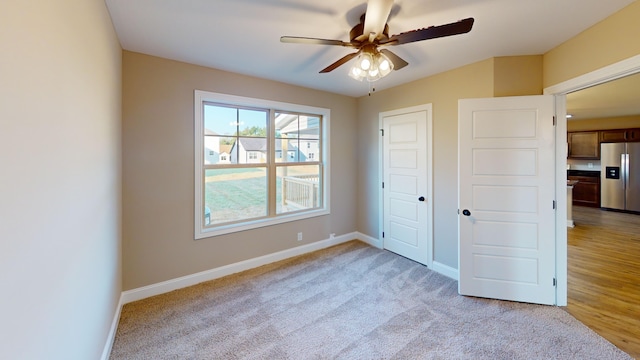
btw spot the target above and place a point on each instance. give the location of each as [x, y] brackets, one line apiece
[445, 270]
[369, 240]
[570, 223]
[106, 352]
[189, 280]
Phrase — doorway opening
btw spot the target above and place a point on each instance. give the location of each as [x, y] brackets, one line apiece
[603, 273]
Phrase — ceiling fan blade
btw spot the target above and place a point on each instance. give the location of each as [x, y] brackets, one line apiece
[398, 62]
[336, 64]
[432, 32]
[313, 41]
[375, 18]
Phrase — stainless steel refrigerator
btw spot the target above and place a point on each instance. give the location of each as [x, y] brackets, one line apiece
[620, 176]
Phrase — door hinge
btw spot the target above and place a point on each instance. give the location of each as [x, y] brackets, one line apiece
[554, 204]
[383, 184]
[383, 234]
[554, 281]
[382, 132]
[554, 120]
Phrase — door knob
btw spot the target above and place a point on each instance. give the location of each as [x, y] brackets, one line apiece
[466, 212]
[421, 198]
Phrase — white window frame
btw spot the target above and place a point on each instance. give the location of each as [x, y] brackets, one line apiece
[200, 97]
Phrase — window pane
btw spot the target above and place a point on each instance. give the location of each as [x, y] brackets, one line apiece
[298, 188]
[252, 150]
[220, 120]
[228, 150]
[218, 149]
[253, 122]
[297, 150]
[286, 125]
[309, 150]
[309, 127]
[287, 150]
[235, 194]
[297, 136]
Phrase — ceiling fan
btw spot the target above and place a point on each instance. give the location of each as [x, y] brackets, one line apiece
[372, 33]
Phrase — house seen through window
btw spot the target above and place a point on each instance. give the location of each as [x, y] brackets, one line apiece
[243, 177]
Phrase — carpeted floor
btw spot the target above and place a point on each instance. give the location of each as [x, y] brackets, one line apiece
[351, 301]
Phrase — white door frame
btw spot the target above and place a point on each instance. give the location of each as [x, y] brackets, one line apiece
[429, 109]
[611, 72]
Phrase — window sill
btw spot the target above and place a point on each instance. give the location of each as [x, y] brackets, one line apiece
[255, 224]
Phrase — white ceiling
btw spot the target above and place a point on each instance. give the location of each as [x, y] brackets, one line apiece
[243, 36]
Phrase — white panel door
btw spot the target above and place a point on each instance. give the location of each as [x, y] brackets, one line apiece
[406, 179]
[507, 198]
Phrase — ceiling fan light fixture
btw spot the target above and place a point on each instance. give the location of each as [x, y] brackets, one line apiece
[384, 64]
[357, 73]
[371, 65]
[365, 60]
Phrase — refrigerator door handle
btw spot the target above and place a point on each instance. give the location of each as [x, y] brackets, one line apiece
[624, 169]
[626, 175]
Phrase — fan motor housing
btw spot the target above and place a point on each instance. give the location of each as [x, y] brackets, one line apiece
[357, 30]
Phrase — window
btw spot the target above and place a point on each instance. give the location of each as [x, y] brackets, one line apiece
[253, 184]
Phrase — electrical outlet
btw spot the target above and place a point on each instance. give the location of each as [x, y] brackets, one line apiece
[590, 165]
[299, 236]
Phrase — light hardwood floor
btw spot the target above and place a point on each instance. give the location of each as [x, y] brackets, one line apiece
[604, 275]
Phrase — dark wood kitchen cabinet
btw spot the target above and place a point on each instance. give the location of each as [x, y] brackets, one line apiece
[587, 191]
[619, 135]
[583, 145]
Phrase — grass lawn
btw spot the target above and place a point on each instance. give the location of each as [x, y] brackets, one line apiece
[232, 200]
[239, 194]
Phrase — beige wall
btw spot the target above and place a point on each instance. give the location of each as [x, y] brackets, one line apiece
[60, 102]
[621, 122]
[611, 40]
[517, 75]
[158, 181]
